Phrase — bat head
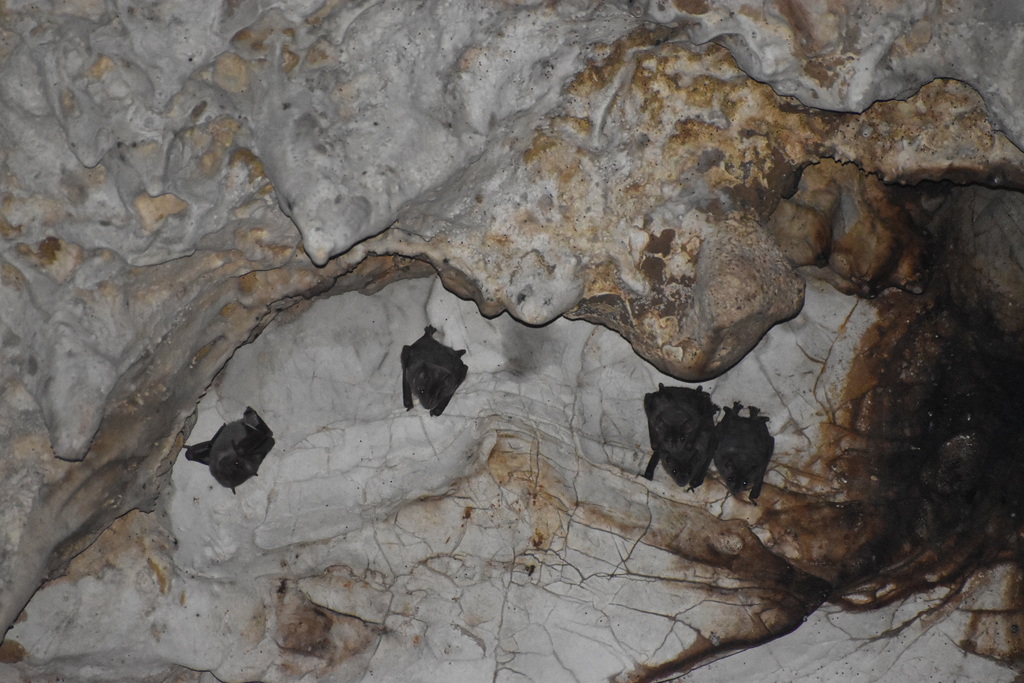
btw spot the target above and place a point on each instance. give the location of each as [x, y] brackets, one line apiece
[737, 473]
[677, 429]
[433, 384]
[234, 469]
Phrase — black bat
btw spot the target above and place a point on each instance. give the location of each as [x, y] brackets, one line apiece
[681, 422]
[744, 449]
[236, 451]
[431, 371]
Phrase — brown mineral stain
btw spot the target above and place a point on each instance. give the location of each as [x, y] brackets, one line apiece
[812, 32]
[822, 70]
[576, 125]
[99, 68]
[231, 73]
[49, 248]
[541, 144]
[154, 210]
[318, 53]
[653, 270]
[919, 440]
[223, 129]
[12, 652]
[7, 229]
[160, 575]
[625, 521]
[249, 283]
[915, 41]
[692, 6]
[305, 628]
[609, 309]
[198, 110]
[601, 70]
[309, 629]
[996, 625]
[250, 39]
[244, 157]
[997, 635]
[289, 59]
[772, 596]
[661, 243]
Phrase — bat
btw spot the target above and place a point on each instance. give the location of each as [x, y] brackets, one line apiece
[744, 449]
[236, 451]
[432, 372]
[681, 422]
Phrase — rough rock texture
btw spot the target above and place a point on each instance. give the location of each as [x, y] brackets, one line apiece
[482, 505]
[512, 537]
[856, 232]
[588, 160]
[846, 54]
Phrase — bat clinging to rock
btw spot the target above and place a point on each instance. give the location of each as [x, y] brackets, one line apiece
[236, 451]
[744, 449]
[681, 422]
[432, 372]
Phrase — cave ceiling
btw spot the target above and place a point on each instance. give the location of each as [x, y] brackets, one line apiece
[812, 210]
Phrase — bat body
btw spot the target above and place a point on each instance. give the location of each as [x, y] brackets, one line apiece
[431, 372]
[744, 449]
[681, 422]
[236, 451]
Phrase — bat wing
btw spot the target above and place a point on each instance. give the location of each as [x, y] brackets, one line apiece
[406, 388]
[452, 371]
[652, 464]
[705, 448]
[254, 448]
[257, 439]
[200, 452]
[756, 491]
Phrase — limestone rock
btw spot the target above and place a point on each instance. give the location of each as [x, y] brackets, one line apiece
[598, 161]
[854, 230]
[485, 541]
[846, 54]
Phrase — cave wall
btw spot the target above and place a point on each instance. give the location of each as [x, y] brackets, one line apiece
[175, 179]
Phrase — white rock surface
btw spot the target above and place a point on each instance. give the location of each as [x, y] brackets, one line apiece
[139, 146]
[910, 640]
[469, 546]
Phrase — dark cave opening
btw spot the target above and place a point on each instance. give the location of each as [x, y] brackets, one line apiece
[943, 409]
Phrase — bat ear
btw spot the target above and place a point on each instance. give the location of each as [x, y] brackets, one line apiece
[460, 353]
[199, 452]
